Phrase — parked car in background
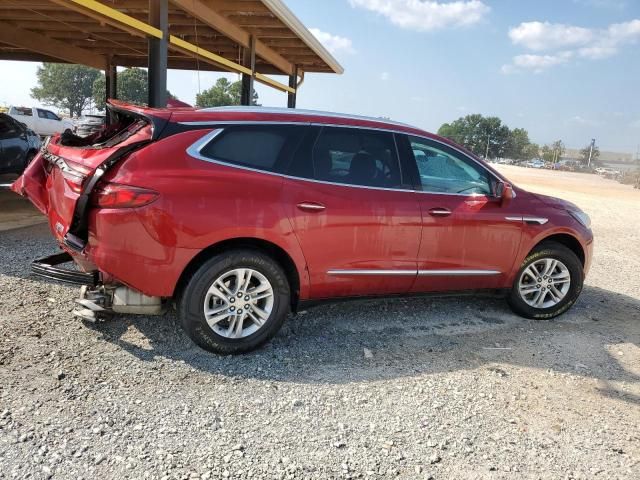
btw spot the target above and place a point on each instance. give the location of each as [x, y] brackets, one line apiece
[608, 172]
[536, 163]
[18, 145]
[239, 215]
[43, 122]
[89, 124]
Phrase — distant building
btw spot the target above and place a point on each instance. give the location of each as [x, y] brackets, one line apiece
[573, 154]
[616, 160]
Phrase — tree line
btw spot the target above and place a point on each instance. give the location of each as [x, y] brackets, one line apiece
[489, 138]
[76, 88]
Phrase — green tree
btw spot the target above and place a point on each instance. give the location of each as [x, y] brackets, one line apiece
[552, 153]
[484, 136]
[595, 155]
[222, 93]
[530, 152]
[519, 147]
[132, 85]
[68, 87]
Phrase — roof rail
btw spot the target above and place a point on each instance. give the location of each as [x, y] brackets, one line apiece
[298, 111]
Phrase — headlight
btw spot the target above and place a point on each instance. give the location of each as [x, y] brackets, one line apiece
[580, 216]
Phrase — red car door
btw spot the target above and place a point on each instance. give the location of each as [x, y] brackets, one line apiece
[356, 220]
[469, 237]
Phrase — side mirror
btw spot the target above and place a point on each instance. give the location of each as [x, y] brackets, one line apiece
[504, 191]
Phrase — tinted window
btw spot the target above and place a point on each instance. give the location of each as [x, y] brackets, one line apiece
[354, 156]
[42, 113]
[262, 147]
[443, 170]
[8, 128]
[23, 111]
[52, 116]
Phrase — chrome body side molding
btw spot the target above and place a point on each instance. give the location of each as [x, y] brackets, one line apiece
[456, 273]
[426, 273]
[353, 272]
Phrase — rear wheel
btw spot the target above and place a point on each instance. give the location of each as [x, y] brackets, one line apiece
[235, 302]
[548, 282]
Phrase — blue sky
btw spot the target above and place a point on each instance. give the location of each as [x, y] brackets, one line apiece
[567, 69]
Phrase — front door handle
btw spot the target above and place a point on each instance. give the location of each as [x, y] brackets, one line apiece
[439, 212]
[311, 207]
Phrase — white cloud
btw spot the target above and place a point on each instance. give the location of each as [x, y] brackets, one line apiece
[426, 15]
[384, 76]
[574, 42]
[333, 43]
[538, 63]
[541, 36]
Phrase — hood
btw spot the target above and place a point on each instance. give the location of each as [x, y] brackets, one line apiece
[555, 202]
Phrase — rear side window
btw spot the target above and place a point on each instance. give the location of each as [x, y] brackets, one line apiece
[351, 156]
[265, 147]
[27, 112]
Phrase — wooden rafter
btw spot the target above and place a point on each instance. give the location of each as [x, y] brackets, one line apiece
[47, 46]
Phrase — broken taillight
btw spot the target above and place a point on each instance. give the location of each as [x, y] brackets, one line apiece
[74, 173]
[114, 195]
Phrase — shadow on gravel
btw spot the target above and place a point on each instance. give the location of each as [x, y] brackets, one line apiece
[415, 336]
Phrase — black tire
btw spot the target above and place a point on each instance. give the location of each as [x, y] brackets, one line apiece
[556, 251]
[191, 302]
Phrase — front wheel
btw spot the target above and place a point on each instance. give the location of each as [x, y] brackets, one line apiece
[235, 302]
[548, 283]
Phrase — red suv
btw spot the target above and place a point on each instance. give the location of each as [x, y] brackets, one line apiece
[240, 215]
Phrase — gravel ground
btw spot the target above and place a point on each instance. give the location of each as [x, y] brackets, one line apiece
[415, 388]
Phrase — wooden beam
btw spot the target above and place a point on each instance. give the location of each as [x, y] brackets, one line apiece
[211, 17]
[101, 17]
[24, 56]
[234, 6]
[49, 47]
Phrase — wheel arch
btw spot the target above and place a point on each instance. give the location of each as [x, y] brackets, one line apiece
[569, 241]
[269, 248]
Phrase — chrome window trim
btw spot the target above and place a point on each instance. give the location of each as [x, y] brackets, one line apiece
[424, 273]
[513, 219]
[194, 151]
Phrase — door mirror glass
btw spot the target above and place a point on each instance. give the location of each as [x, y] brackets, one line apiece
[504, 191]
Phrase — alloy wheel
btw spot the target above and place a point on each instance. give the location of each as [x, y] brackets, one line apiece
[238, 303]
[544, 283]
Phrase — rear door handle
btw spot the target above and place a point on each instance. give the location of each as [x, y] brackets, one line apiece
[311, 207]
[439, 212]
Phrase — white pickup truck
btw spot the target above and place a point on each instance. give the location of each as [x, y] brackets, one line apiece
[43, 122]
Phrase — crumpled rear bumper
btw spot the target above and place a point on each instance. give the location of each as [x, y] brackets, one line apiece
[49, 267]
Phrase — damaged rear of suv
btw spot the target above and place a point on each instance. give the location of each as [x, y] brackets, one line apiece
[67, 180]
